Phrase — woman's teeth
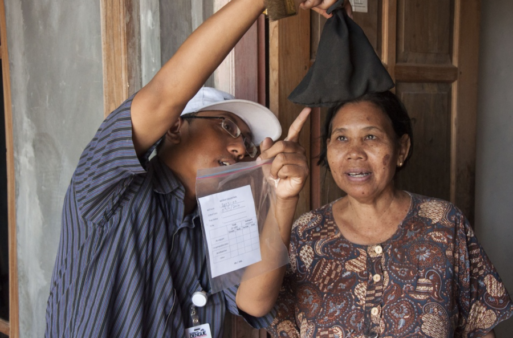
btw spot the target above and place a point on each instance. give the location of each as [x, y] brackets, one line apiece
[223, 163]
[359, 174]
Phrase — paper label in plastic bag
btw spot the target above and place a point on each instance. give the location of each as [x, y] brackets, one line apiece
[231, 230]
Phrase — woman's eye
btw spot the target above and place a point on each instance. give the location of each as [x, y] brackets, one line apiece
[370, 137]
[341, 138]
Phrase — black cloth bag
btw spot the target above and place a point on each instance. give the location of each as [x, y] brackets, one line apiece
[346, 66]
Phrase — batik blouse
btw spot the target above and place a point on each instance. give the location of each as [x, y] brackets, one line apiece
[430, 279]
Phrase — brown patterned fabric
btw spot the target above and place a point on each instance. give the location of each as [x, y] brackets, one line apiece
[430, 279]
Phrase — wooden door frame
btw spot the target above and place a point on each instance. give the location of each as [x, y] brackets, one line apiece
[463, 76]
[10, 328]
[116, 38]
[464, 105]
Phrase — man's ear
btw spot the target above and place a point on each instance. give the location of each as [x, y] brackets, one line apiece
[173, 133]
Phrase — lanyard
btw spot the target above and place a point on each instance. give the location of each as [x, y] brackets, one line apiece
[194, 316]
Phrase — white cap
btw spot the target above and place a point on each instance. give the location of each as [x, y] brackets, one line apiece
[262, 122]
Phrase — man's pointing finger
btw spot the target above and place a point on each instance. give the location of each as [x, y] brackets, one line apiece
[297, 125]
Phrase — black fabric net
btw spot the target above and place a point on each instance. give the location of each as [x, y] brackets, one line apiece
[346, 66]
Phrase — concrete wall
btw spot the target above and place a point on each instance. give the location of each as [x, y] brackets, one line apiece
[178, 19]
[494, 186]
[57, 96]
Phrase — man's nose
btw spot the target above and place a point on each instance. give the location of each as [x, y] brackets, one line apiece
[236, 147]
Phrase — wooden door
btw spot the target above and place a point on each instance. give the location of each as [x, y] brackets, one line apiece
[430, 49]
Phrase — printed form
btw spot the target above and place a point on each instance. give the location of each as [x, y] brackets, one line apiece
[231, 230]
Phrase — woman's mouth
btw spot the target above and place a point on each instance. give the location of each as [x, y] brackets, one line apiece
[359, 175]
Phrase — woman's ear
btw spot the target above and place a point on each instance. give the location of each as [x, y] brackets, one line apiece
[173, 134]
[404, 149]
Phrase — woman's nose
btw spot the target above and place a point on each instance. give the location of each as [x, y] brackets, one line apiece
[355, 151]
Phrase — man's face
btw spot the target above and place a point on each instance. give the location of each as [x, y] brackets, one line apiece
[205, 144]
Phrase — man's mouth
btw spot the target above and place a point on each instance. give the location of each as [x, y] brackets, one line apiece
[224, 163]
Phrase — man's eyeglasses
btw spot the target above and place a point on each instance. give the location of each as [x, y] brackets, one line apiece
[232, 129]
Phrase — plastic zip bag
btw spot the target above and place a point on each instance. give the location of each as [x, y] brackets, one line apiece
[240, 230]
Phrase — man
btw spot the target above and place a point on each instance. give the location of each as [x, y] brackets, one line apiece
[131, 253]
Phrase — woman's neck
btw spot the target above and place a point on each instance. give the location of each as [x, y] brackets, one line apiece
[371, 221]
[371, 209]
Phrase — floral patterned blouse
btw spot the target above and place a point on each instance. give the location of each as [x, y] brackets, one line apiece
[430, 279]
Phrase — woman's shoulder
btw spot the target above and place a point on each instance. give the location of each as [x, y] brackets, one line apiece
[426, 202]
[315, 216]
[436, 210]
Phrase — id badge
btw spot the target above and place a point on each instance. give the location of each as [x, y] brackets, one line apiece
[199, 331]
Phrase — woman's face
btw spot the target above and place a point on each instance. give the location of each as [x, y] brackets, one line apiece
[363, 151]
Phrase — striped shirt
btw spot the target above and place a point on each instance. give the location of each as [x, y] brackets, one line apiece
[128, 259]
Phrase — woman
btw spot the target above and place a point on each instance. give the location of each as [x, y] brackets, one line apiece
[382, 262]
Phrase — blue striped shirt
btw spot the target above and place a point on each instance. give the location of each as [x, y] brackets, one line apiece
[128, 259]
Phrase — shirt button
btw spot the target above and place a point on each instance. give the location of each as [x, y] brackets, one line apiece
[376, 278]
[374, 311]
[378, 249]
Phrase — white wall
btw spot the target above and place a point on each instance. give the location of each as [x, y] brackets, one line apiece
[494, 172]
[57, 96]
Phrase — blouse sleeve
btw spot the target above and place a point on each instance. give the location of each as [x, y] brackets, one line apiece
[482, 298]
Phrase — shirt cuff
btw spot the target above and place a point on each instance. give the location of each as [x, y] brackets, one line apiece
[255, 322]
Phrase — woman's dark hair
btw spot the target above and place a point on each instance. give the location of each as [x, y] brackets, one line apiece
[388, 103]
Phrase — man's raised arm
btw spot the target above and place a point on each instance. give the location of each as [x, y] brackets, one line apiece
[157, 106]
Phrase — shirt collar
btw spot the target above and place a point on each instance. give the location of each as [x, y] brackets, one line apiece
[164, 181]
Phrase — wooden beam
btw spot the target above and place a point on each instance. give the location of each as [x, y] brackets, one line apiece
[262, 55]
[389, 50]
[134, 47]
[315, 170]
[464, 104]
[114, 53]
[289, 61]
[11, 189]
[274, 67]
[4, 327]
[409, 72]
[245, 66]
